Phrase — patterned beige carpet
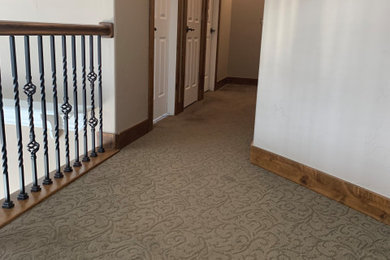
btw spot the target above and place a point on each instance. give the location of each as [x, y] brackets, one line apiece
[188, 191]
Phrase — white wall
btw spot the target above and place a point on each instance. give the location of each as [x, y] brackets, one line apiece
[71, 11]
[324, 90]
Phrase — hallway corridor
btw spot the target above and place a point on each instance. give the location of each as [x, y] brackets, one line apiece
[188, 191]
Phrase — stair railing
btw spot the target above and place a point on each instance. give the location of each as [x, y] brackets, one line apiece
[91, 75]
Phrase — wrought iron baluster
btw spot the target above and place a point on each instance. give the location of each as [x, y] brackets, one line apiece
[29, 90]
[85, 111]
[101, 148]
[47, 180]
[8, 204]
[58, 174]
[22, 193]
[77, 162]
[92, 78]
[66, 107]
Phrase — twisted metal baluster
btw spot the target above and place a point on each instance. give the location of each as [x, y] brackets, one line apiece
[101, 148]
[77, 162]
[7, 204]
[47, 180]
[92, 78]
[29, 90]
[22, 194]
[85, 111]
[58, 174]
[66, 107]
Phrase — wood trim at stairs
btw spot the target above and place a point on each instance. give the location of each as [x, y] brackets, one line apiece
[351, 195]
[32, 28]
[112, 144]
[8, 215]
[109, 140]
[235, 80]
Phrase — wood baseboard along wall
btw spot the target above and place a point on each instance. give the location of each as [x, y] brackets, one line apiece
[351, 195]
[235, 80]
[118, 141]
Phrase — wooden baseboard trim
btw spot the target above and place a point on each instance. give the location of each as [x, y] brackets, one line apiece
[235, 80]
[243, 81]
[8, 215]
[221, 83]
[118, 141]
[353, 196]
[130, 135]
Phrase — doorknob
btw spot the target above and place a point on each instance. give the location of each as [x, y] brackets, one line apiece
[212, 30]
[188, 29]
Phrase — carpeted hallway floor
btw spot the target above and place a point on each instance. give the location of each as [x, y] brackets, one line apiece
[188, 191]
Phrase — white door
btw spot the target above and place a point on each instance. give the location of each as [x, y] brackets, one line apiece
[191, 82]
[161, 56]
[211, 45]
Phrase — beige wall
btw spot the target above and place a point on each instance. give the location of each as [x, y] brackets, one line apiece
[224, 39]
[245, 38]
[131, 63]
[240, 38]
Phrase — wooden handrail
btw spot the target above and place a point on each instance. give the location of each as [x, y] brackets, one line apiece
[30, 28]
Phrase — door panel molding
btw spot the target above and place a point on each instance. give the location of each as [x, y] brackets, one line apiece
[181, 54]
[161, 57]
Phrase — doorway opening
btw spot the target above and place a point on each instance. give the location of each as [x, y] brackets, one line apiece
[240, 34]
[185, 40]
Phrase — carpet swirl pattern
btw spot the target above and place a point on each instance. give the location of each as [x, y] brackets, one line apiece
[188, 191]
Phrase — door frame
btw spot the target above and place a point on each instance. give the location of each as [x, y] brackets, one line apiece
[217, 49]
[214, 52]
[181, 54]
[151, 65]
